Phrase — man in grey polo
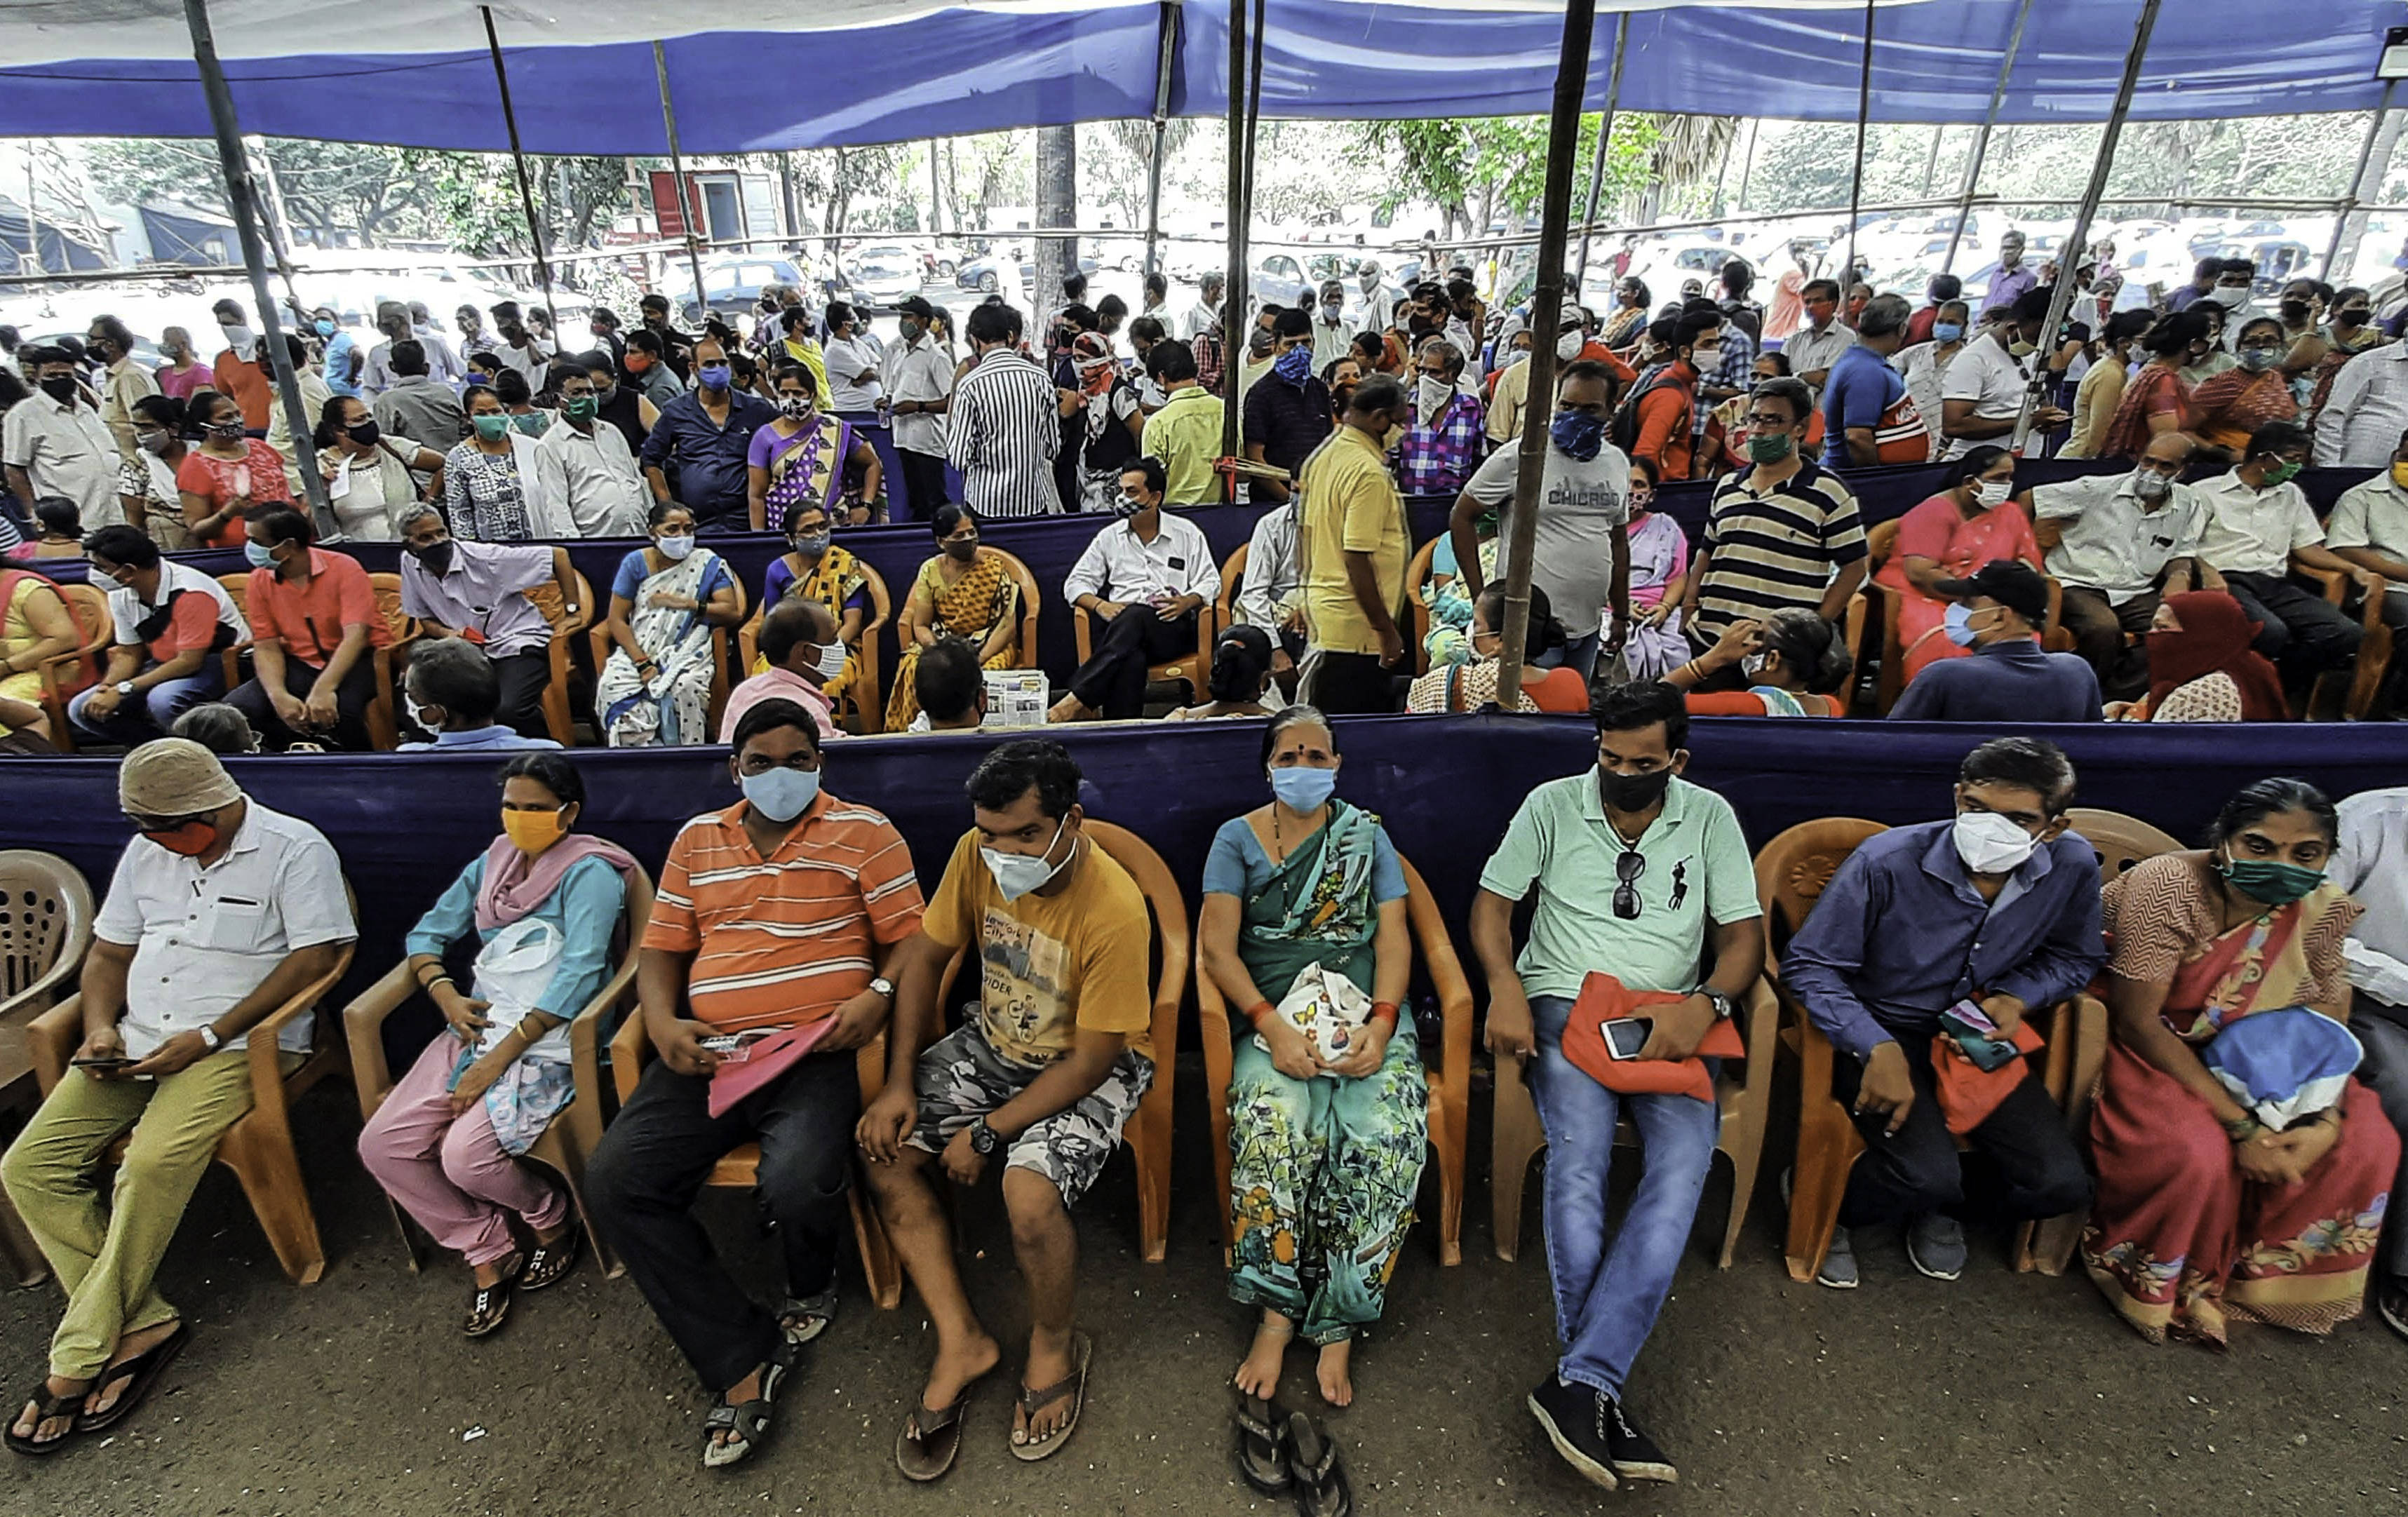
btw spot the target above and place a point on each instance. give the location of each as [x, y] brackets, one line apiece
[2119, 544]
[477, 592]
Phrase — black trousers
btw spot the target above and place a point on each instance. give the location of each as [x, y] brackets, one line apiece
[1113, 680]
[2303, 633]
[923, 483]
[1352, 684]
[641, 1183]
[525, 676]
[2099, 628]
[351, 699]
[1919, 1171]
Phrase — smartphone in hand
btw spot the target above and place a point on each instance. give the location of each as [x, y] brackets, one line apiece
[1625, 1037]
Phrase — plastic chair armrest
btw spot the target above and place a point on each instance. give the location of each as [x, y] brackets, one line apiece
[51, 1038]
[364, 1022]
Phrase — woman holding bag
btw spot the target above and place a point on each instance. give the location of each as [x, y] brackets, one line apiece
[544, 903]
[1328, 1135]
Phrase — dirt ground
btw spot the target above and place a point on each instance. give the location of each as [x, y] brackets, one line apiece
[2001, 1394]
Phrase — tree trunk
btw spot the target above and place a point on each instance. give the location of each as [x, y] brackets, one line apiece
[835, 199]
[1058, 205]
[2378, 168]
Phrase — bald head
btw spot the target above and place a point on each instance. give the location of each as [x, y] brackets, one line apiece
[2170, 451]
[795, 631]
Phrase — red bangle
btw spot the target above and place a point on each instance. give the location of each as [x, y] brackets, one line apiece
[1384, 1012]
[1261, 1012]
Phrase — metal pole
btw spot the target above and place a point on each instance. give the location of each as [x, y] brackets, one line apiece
[1604, 138]
[1746, 168]
[1163, 70]
[278, 222]
[1982, 138]
[238, 197]
[1857, 175]
[1546, 303]
[518, 163]
[2358, 181]
[677, 171]
[1240, 213]
[2069, 258]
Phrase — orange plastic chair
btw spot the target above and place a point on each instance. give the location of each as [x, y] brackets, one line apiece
[1233, 583]
[2119, 841]
[1417, 575]
[2374, 648]
[564, 628]
[64, 675]
[571, 1139]
[1448, 1056]
[864, 720]
[1024, 649]
[1191, 667]
[385, 729]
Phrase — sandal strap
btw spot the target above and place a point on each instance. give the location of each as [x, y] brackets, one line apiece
[720, 1416]
[1034, 1401]
[928, 1421]
[1265, 1430]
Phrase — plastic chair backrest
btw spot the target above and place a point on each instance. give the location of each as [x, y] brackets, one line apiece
[545, 598]
[1023, 652]
[1233, 583]
[1793, 869]
[388, 599]
[2119, 841]
[1172, 934]
[1880, 542]
[46, 916]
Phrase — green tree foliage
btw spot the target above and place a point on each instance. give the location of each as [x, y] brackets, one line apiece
[1477, 170]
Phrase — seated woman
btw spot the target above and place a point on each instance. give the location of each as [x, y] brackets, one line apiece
[2203, 1215]
[2158, 391]
[2225, 410]
[35, 626]
[819, 570]
[1659, 570]
[965, 592]
[1468, 687]
[1971, 522]
[1240, 677]
[228, 474]
[58, 531]
[446, 1145]
[2204, 669]
[146, 483]
[1794, 663]
[1450, 608]
[654, 689]
[1326, 1153]
[799, 457]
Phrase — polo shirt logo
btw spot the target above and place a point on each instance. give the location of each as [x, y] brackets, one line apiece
[1680, 883]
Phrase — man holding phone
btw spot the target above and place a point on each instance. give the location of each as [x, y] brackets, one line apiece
[1952, 929]
[220, 912]
[1643, 875]
[784, 909]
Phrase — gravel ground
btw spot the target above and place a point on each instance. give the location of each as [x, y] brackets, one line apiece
[2000, 1394]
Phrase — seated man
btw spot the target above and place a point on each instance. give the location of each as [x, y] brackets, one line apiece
[171, 621]
[163, 1063]
[2368, 527]
[1998, 612]
[1143, 577]
[2370, 862]
[450, 692]
[952, 688]
[477, 592]
[2119, 544]
[2260, 528]
[314, 624]
[1045, 1075]
[771, 914]
[1999, 907]
[801, 642]
[1689, 899]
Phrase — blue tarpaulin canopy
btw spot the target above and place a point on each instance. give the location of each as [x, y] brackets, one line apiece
[415, 72]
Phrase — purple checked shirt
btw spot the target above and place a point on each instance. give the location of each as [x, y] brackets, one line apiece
[1439, 459]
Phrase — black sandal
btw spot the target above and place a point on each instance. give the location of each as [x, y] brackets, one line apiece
[931, 1439]
[145, 1370]
[1033, 1400]
[491, 1306]
[1321, 1488]
[749, 1421]
[1260, 1457]
[546, 1262]
[47, 1407]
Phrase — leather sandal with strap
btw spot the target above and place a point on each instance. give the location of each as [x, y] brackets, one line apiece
[1321, 1488]
[546, 1262]
[803, 1318]
[747, 1421]
[1258, 1453]
[1036, 1399]
[931, 1439]
[491, 1306]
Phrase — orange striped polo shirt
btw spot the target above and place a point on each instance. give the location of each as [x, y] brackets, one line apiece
[785, 939]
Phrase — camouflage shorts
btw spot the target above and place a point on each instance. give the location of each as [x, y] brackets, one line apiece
[961, 1078]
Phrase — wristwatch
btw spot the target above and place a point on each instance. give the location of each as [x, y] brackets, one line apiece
[209, 1036]
[1721, 1003]
[983, 1138]
[124, 687]
[883, 987]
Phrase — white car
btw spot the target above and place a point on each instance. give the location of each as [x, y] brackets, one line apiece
[883, 274]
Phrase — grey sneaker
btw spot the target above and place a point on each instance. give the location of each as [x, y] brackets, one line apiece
[1838, 1269]
[1935, 1245]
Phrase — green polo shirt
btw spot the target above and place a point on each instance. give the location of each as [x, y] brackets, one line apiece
[1698, 871]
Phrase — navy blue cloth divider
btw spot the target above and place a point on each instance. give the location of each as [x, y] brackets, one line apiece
[406, 823]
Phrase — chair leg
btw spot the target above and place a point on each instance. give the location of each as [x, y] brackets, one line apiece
[878, 1260]
[1743, 1140]
[1448, 1137]
[410, 1251]
[560, 1150]
[261, 1156]
[1517, 1141]
[1827, 1148]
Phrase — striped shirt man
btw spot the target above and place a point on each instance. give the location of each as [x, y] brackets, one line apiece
[787, 939]
[1003, 433]
[1775, 548]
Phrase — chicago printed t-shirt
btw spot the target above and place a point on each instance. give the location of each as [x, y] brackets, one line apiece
[1580, 504]
[1050, 965]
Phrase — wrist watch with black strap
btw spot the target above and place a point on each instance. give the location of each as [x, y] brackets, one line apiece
[983, 1138]
[1724, 1009]
[883, 987]
[209, 1038]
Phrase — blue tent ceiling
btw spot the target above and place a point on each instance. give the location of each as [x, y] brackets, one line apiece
[892, 70]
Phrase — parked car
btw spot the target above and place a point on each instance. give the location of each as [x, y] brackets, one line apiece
[1280, 280]
[984, 275]
[883, 274]
[733, 286]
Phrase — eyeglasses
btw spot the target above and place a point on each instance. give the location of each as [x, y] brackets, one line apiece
[1626, 870]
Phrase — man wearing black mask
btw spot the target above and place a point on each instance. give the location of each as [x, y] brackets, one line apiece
[54, 443]
[477, 592]
[677, 348]
[622, 406]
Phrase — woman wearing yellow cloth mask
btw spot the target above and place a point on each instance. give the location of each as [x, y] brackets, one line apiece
[448, 1144]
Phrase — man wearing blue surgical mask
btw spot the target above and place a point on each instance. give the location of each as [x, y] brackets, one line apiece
[1997, 613]
[698, 453]
[1040, 1081]
[1582, 558]
[344, 359]
[1144, 578]
[1290, 415]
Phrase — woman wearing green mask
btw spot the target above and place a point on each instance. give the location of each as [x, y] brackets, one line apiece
[491, 485]
[2226, 409]
[2203, 1214]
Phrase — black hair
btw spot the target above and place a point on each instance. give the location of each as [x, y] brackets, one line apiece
[1298, 715]
[837, 314]
[58, 514]
[294, 349]
[1014, 770]
[2033, 764]
[1779, 362]
[947, 679]
[1584, 369]
[1544, 631]
[2127, 324]
[2239, 265]
[1810, 648]
[280, 523]
[1241, 656]
[1157, 284]
[2259, 799]
[1157, 479]
[487, 359]
[1377, 394]
[166, 410]
[561, 370]
[459, 678]
[118, 334]
[120, 543]
[2032, 305]
[1943, 288]
[1738, 277]
[2258, 321]
[795, 513]
[330, 421]
[1828, 287]
[2207, 268]
[551, 770]
[1790, 393]
[1295, 323]
[992, 323]
[659, 511]
[641, 340]
[1082, 317]
[1973, 464]
[770, 715]
[795, 372]
[947, 518]
[2276, 438]
[1147, 329]
[1170, 359]
[2175, 334]
[1633, 708]
[1074, 284]
[512, 386]
[408, 356]
[654, 302]
[1646, 297]
[221, 728]
[790, 621]
[203, 404]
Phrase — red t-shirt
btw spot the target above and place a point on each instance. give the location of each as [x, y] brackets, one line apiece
[309, 618]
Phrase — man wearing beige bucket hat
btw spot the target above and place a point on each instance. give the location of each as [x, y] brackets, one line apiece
[219, 913]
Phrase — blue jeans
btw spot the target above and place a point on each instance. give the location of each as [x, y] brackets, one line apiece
[1608, 1291]
[1579, 655]
[152, 711]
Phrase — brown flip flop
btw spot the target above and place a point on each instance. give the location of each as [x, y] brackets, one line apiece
[1082, 1352]
[930, 1441]
[145, 1370]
